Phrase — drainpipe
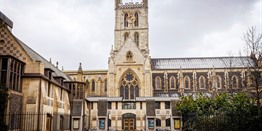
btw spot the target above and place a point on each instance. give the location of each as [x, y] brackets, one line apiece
[39, 102]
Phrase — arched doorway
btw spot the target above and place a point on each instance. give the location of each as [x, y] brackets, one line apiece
[129, 85]
[128, 122]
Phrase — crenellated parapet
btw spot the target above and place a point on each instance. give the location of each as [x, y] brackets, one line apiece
[131, 5]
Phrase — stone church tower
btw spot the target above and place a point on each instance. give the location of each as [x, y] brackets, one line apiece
[130, 54]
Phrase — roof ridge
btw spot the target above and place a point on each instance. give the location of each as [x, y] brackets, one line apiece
[216, 57]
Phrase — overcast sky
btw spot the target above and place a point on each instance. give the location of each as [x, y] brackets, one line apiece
[73, 31]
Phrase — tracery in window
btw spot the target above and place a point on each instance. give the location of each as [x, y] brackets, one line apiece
[129, 56]
[158, 82]
[187, 82]
[125, 36]
[129, 88]
[202, 82]
[126, 20]
[136, 38]
[172, 82]
[136, 19]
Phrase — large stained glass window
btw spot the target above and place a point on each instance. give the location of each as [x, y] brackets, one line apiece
[129, 86]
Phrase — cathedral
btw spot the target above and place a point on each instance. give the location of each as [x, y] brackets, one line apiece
[136, 92]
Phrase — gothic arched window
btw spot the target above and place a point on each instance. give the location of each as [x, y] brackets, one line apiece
[202, 82]
[187, 82]
[218, 82]
[234, 80]
[136, 38]
[172, 82]
[126, 20]
[129, 86]
[158, 82]
[125, 36]
[136, 21]
[93, 85]
[105, 85]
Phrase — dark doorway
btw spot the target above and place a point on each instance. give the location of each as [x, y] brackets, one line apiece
[129, 122]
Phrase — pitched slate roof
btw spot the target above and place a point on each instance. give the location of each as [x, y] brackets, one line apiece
[36, 57]
[200, 62]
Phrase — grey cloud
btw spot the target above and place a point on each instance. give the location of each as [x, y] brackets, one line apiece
[73, 31]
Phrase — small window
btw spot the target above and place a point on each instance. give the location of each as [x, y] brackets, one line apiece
[157, 105]
[136, 19]
[202, 82]
[126, 20]
[61, 122]
[93, 85]
[116, 105]
[141, 105]
[76, 123]
[109, 122]
[172, 82]
[158, 122]
[168, 122]
[49, 121]
[91, 105]
[61, 94]
[105, 85]
[102, 123]
[167, 105]
[218, 82]
[109, 105]
[49, 89]
[158, 82]
[136, 38]
[234, 81]
[129, 56]
[126, 36]
[129, 105]
[187, 82]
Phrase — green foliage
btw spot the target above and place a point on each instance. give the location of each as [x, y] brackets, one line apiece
[3, 103]
[223, 112]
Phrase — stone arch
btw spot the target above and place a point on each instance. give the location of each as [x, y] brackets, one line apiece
[218, 82]
[127, 117]
[202, 82]
[158, 83]
[234, 80]
[129, 85]
[172, 82]
[126, 20]
[187, 82]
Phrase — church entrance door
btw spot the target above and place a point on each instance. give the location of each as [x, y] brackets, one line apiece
[129, 122]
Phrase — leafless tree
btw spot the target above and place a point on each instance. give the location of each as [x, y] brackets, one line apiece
[253, 49]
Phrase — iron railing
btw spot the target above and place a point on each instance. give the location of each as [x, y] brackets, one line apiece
[36, 122]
